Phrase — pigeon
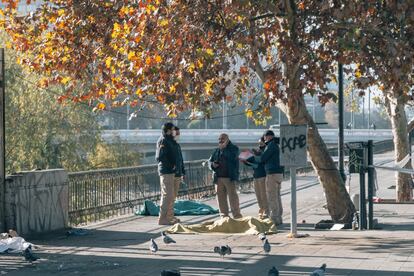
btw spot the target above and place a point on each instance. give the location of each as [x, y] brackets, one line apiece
[28, 255]
[167, 239]
[266, 246]
[153, 246]
[170, 273]
[273, 272]
[320, 271]
[222, 250]
[262, 236]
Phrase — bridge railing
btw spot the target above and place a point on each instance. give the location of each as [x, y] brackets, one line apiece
[101, 194]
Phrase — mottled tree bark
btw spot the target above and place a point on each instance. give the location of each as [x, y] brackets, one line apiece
[398, 118]
[339, 204]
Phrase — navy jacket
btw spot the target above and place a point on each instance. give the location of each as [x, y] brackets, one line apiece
[180, 168]
[230, 155]
[258, 167]
[166, 155]
[271, 158]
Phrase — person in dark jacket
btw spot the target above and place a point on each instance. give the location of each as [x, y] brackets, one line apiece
[224, 162]
[166, 156]
[259, 177]
[180, 169]
[274, 176]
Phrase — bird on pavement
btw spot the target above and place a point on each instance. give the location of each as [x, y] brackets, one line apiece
[170, 273]
[222, 250]
[266, 246]
[262, 236]
[28, 254]
[167, 239]
[153, 246]
[273, 272]
[320, 271]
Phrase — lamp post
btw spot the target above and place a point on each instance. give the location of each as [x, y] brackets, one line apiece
[2, 144]
[341, 122]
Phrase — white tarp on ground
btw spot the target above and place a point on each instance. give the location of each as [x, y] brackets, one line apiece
[15, 244]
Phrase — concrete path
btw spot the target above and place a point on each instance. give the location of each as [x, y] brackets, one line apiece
[120, 247]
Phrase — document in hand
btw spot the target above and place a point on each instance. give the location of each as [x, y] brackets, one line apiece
[244, 155]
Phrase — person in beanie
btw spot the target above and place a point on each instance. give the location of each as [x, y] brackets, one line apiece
[180, 169]
[259, 178]
[274, 176]
[166, 156]
[224, 163]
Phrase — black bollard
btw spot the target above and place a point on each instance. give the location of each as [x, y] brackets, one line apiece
[370, 184]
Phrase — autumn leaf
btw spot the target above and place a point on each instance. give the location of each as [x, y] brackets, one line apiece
[163, 22]
[210, 52]
[243, 70]
[249, 113]
[65, 80]
[266, 86]
[108, 61]
[101, 106]
[208, 87]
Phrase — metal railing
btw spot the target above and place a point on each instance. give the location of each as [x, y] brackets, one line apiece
[101, 194]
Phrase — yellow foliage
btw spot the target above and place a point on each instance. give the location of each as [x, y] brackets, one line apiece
[191, 68]
[101, 106]
[65, 80]
[158, 58]
[49, 35]
[131, 55]
[209, 87]
[116, 30]
[61, 12]
[249, 113]
[358, 73]
[108, 62]
[163, 22]
[210, 52]
[199, 64]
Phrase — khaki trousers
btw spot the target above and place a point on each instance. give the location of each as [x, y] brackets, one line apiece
[260, 190]
[167, 198]
[224, 188]
[177, 182]
[274, 199]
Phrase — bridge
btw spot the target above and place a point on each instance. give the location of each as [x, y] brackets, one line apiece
[206, 139]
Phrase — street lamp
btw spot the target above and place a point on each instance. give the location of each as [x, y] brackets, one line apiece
[341, 121]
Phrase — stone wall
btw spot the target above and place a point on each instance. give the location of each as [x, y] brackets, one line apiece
[37, 201]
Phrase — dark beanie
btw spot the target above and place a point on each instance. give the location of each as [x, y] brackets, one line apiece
[166, 127]
[269, 133]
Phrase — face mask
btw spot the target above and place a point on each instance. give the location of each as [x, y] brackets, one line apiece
[177, 137]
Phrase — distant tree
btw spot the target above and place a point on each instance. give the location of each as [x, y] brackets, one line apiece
[41, 133]
[383, 47]
[115, 155]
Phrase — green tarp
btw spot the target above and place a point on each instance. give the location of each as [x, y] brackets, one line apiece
[181, 208]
